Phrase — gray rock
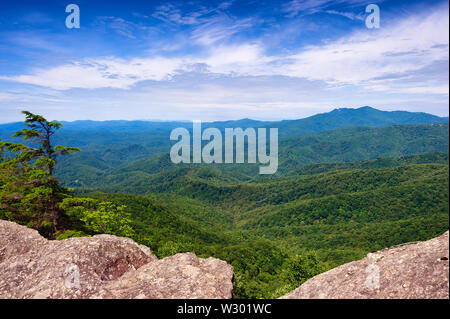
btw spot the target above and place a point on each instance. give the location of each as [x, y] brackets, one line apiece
[16, 240]
[417, 270]
[176, 277]
[102, 266]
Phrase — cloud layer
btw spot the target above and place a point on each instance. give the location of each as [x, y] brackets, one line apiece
[227, 73]
[374, 59]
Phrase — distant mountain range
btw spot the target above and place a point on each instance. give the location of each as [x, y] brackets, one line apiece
[363, 116]
[342, 135]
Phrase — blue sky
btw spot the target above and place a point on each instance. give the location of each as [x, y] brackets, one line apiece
[219, 60]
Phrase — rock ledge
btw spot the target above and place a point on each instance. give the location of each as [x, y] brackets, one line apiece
[418, 270]
[102, 266]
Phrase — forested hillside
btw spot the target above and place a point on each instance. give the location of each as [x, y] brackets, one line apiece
[260, 227]
[110, 144]
[349, 182]
[344, 145]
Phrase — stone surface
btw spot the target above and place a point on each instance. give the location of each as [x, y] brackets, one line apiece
[102, 266]
[414, 270]
[17, 240]
[173, 277]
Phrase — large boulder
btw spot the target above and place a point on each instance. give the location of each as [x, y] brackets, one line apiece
[102, 266]
[413, 270]
[176, 277]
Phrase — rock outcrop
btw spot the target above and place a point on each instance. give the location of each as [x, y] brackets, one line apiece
[102, 266]
[417, 270]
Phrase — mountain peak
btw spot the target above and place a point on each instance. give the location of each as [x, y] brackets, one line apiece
[366, 107]
[362, 108]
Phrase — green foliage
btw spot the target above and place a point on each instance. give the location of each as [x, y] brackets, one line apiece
[30, 194]
[97, 170]
[169, 248]
[338, 194]
[303, 267]
[99, 217]
[108, 218]
[70, 234]
[38, 130]
[27, 190]
[268, 228]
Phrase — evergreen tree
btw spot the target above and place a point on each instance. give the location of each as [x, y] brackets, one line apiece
[30, 193]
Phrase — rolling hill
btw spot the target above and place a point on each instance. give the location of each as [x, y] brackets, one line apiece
[349, 182]
[340, 213]
[343, 145]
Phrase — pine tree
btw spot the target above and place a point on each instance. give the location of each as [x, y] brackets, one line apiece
[30, 188]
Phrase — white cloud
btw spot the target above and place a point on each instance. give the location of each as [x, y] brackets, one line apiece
[219, 28]
[442, 89]
[409, 46]
[122, 74]
[119, 25]
[247, 59]
[94, 74]
[295, 7]
[171, 13]
[349, 15]
[390, 58]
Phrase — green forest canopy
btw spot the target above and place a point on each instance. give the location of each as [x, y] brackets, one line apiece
[339, 195]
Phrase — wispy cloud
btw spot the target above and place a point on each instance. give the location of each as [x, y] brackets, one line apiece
[101, 73]
[118, 25]
[121, 73]
[171, 13]
[363, 58]
[349, 15]
[296, 7]
[219, 28]
[209, 24]
[410, 45]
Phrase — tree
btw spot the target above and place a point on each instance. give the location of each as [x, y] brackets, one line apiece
[303, 267]
[13, 184]
[29, 189]
[99, 217]
[39, 130]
